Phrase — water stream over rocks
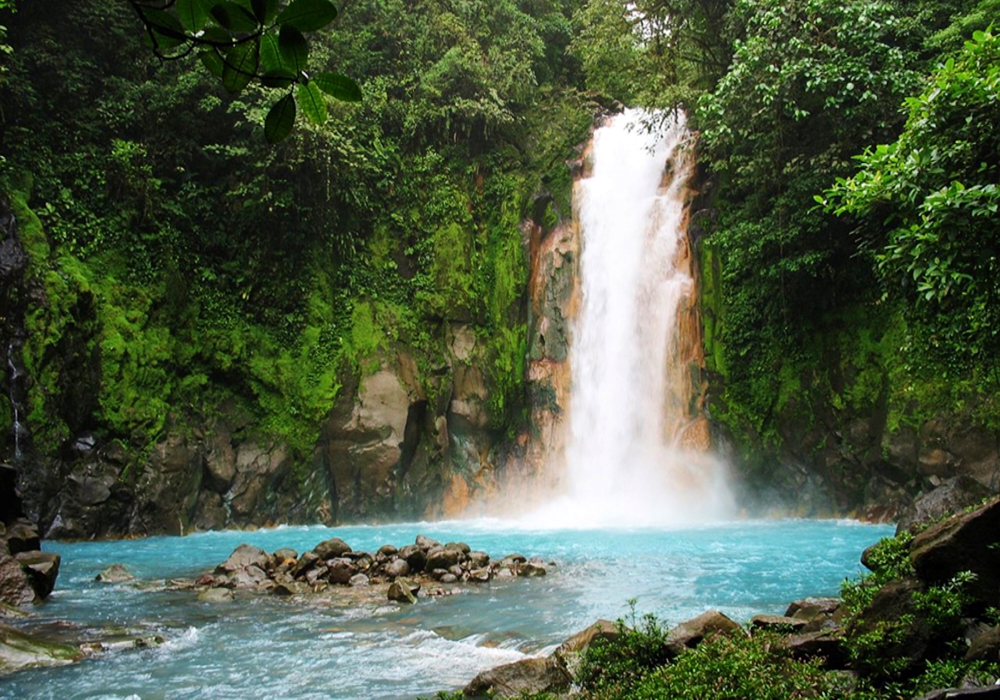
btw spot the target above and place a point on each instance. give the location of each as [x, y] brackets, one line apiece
[358, 644]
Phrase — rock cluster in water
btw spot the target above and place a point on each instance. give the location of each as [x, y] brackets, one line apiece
[334, 563]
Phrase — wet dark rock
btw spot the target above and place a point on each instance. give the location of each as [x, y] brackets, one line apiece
[341, 571]
[42, 569]
[284, 554]
[15, 586]
[244, 557]
[332, 548]
[825, 644]
[524, 677]
[403, 591]
[387, 550]
[20, 651]
[426, 543]
[985, 646]
[776, 623]
[952, 496]
[532, 569]
[22, 536]
[988, 693]
[894, 612]
[415, 557]
[397, 568]
[963, 542]
[444, 557]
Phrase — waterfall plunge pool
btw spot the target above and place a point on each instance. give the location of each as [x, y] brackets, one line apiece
[361, 646]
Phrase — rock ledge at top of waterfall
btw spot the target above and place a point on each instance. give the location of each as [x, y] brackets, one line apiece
[333, 564]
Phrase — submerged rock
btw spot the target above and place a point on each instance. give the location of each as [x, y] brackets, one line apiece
[116, 573]
[20, 651]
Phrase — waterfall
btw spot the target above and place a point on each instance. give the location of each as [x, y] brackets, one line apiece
[630, 413]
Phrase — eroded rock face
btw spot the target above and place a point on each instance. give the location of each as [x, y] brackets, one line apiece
[963, 542]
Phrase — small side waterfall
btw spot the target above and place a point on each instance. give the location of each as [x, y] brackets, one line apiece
[631, 417]
[15, 381]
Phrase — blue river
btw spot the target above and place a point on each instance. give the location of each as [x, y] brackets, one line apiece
[359, 645]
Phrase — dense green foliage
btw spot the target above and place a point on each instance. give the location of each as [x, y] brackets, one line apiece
[185, 265]
[813, 319]
[931, 199]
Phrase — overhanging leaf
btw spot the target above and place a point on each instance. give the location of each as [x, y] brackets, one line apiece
[193, 14]
[233, 17]
[311, 102]
[338, 86]
[294, 48]
[279, 120]
[270, 55]
[213, 62]
[264, 10]
[240, 66]
[308, 15]
[277, 78]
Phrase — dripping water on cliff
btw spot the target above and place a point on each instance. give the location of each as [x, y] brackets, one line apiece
[636, 442]
[13, 262]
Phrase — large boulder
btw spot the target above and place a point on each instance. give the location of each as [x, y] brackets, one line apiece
[42, 569]
[571, 652]
[691, 633]
[15, 585]
[332, 548]
[952, 496]
[963, 542]
[525, 677]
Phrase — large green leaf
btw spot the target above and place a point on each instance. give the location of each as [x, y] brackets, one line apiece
[280, 120]
[167, 29]
[311, 101]
[193, 14]
[278, 78]
[270, 55]
[294, 48]
[241, 66]
[308, 15]
[213, 62]
[233, 17]
[264, 10]
[338, 86]
[217, 36]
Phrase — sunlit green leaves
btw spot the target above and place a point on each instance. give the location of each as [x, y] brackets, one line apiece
[193, 14]
[308, 15]
[311, 102]
[338, 86]
[240, 66]
[280, 120]
[293, 49]
[234, 17]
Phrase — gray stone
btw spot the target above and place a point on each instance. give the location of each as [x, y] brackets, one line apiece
[952, 496]
[402, 592]
[216, 595]
[116, 573]
[397, 568]
[359, 580]
[332, 548]
[243, 557]
[20, 651]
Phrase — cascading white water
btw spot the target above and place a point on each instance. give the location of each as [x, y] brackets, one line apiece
[14, 377]
[630, 389]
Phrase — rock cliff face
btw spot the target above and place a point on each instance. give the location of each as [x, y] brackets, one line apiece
[397, 445]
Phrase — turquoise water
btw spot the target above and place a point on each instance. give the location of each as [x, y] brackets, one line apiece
[358, 645]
